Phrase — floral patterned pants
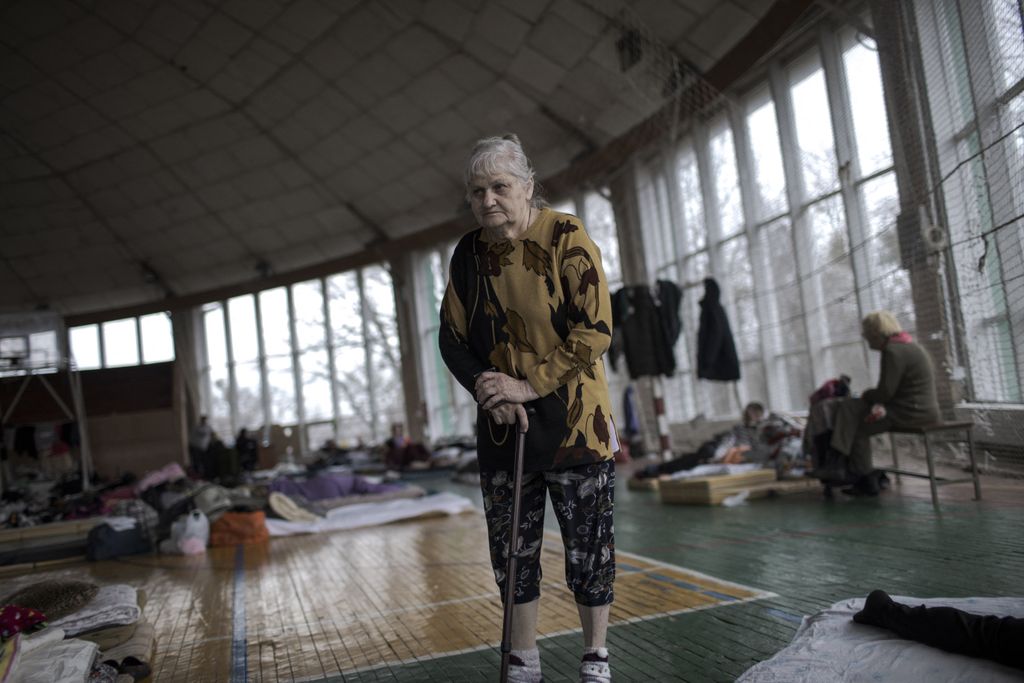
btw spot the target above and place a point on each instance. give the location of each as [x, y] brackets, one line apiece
[582, 498]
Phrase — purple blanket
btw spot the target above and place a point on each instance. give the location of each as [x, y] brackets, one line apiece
[325, 485]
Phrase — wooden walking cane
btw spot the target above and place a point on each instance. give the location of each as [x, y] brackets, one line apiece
[513, 543]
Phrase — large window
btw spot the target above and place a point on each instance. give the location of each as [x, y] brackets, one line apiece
[320, 354]
[120, 343]
[973, 59]
[787, 199]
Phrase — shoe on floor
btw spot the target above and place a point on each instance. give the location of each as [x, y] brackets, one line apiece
[594, 666]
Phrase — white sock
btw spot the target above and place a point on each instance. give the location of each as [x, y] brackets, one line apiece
[595, 671]
[530, 672]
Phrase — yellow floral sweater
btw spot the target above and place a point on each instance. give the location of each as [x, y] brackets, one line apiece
[536, 308]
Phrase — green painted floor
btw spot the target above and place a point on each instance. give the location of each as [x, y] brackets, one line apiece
[809, 552]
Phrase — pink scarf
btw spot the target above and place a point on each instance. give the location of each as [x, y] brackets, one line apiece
[901, 338]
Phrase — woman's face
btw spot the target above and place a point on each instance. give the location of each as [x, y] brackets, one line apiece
[500, 201]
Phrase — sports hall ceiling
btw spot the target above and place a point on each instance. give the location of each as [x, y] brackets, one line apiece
[175, 151]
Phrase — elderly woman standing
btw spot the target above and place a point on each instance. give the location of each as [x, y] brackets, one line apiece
[525, 319]
[905, 396]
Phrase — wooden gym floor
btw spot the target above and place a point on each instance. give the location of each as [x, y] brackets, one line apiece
[701, 594]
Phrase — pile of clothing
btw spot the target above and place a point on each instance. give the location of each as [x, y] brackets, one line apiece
[69, 631]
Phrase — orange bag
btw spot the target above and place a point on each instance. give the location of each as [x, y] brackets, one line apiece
[239, 527]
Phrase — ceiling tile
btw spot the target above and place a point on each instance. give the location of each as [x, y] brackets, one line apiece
[252, 13]
[417, 49]
[726, 24]
[200, 60]
[363, 31]
[582, 16]
[291, 174]
[125, 15]
[16, 72]
[381, 75]
[171, 23]
[174, 148]
[220, 196]
[90, 36]
[329, 57]
[535, 71]
[468, 73]
[560, 41]
[434, 92]
[447, 18]
[495, 20]
[256, 151]
[531, 10]
[118, 104]
[398, 113]
[227, 34]
[309, 18]
[36, 19]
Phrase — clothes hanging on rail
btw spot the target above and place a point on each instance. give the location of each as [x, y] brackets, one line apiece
[716, 350]
[645, 328]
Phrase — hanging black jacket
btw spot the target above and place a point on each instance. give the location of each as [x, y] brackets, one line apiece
[646, 329]
[716, 350]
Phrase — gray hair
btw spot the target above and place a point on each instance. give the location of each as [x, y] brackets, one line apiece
[495, 155]
[881, 323]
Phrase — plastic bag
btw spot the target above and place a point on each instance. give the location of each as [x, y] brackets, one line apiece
[190, 535]
[739, 498]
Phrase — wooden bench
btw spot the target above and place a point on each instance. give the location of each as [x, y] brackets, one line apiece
[924, 431]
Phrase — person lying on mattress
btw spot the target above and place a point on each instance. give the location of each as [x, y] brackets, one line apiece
[729, 447]
[987, 636]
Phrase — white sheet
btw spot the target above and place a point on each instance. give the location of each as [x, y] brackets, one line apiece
[114, 605]
[713, 469]
[828, 646]
[47, 658]
[372, 514]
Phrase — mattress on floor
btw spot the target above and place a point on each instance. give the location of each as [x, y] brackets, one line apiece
[712, 490]
[829, 646]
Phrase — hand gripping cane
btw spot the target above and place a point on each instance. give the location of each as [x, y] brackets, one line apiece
[513, 543]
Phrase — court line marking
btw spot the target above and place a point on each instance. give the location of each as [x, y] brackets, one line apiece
[239, 655]
[756, 594]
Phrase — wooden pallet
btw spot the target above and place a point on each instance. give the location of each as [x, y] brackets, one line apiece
[713, 490]
[648, 484]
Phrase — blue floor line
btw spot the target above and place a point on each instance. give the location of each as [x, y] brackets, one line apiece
[239, 666]
[785, 616]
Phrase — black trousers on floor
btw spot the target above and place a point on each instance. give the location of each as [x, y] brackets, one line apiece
[1000, 639]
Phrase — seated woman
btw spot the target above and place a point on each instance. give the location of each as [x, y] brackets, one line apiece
[905, 397]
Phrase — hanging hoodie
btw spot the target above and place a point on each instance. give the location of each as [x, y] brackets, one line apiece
[716, 350]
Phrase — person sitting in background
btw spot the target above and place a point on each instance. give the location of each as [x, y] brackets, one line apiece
[403, 451]
[905, 397]
[199, 443]
[739, 444]
[247, 449]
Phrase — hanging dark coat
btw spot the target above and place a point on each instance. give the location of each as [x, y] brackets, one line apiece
[716, 350]
[646, 329]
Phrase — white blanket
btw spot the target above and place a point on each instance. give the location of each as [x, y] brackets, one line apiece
[46, 657]
[828, 646]
[713, 469]
[114, 605]
[372, 514]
